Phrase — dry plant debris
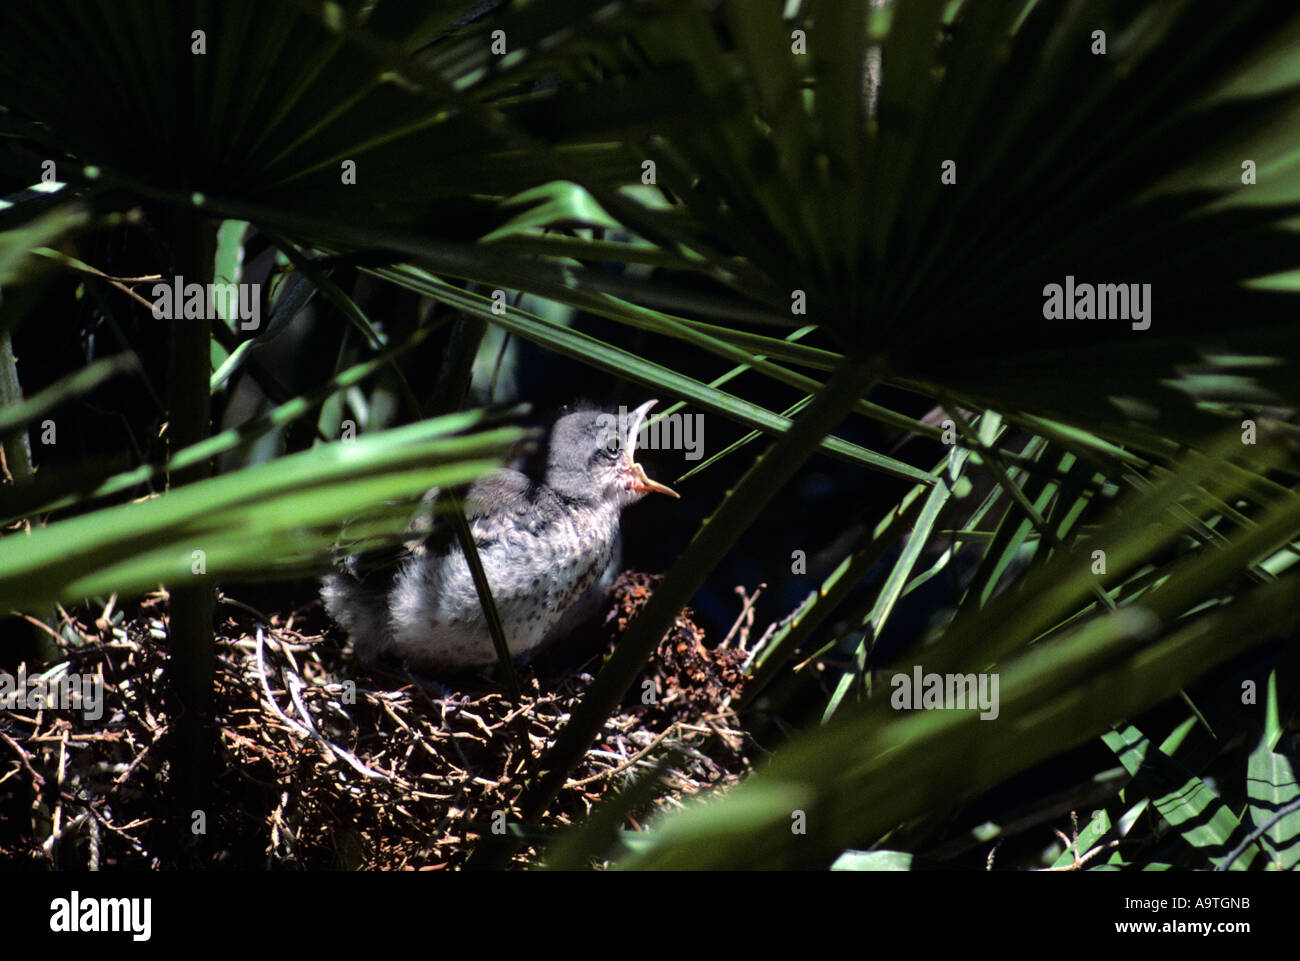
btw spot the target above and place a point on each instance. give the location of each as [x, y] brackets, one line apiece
[325, 766]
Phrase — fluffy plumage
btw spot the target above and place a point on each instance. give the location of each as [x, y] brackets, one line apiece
[550, 548]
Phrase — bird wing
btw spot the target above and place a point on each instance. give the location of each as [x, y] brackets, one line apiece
[492, 500]
[502, 492]
[496, 499]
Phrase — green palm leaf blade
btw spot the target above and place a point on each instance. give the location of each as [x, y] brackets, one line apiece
[856, 779]
[283, 95]
[284, 515]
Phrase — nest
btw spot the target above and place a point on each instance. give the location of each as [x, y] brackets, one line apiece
[324, 767]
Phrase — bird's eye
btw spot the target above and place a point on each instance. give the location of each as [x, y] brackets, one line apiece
[610, 445]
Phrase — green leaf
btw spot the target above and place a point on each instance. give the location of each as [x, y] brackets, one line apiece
[873, 861]
[1271, 785]
[281, 517]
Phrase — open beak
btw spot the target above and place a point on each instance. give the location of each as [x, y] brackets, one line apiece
[640, 482]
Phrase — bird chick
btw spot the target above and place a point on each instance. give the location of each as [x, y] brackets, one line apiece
[551, 550]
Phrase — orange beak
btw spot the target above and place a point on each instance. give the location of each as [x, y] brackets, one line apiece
[640, 481]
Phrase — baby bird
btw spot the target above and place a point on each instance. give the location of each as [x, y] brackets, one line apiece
[550, 549]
